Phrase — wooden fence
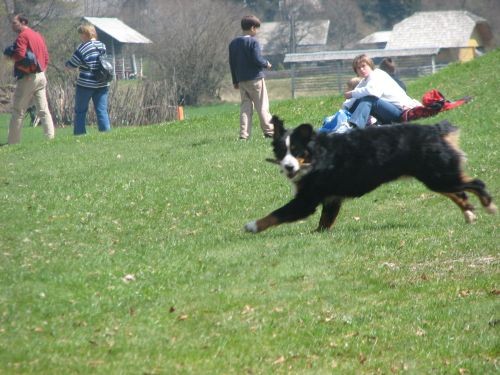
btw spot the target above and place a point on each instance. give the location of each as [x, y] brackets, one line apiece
[329, 78]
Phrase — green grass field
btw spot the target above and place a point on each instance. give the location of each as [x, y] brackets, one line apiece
[123, 253]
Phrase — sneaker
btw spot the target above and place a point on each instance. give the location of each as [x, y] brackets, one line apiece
[268, 135]
[372, 121]
[344, 128]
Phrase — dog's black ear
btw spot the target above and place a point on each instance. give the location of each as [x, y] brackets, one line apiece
[306, 132]
[279, 128]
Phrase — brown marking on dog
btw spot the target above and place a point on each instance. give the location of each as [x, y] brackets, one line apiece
[302, 162]
[462, 201]
[266, 222]
[453, 140]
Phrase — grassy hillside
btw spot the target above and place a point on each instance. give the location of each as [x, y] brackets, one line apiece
[123, 253]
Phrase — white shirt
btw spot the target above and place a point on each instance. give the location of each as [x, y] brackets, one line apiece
[348, 103]
[381, 85]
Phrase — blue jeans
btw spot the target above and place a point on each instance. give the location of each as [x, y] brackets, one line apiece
[99, 97]
[381, 109]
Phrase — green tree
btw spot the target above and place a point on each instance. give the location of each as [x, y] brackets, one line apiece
[385, 13]
[393, 11]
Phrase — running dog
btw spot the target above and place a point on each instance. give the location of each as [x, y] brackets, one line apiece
[328, 168]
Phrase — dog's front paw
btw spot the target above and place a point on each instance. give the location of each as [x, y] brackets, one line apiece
[251, 227]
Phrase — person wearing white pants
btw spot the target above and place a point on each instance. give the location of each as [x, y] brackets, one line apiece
[31, 82]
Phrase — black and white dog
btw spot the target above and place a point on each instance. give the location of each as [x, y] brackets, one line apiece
[328, 168]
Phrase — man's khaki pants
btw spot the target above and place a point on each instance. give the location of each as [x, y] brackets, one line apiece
[254, 93]
[31, 86]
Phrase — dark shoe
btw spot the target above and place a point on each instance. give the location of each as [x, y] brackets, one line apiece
[268, 135]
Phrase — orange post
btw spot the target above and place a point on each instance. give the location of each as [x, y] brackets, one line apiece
[180, 113]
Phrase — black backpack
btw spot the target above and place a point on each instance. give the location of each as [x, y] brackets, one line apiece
[104, 71]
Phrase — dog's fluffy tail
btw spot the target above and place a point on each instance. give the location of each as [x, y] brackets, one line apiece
[451, 135]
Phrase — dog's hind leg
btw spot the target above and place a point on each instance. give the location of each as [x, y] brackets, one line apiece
[454, 186]
[478, 188]
[331, 208]
[462, 201]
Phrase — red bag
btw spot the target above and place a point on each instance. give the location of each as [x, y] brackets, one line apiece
[433, 99]
[433, 103]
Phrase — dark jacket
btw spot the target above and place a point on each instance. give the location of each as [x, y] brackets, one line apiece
[24, 66]
[245, 59]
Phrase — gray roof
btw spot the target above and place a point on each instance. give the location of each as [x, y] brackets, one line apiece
[351, 54]
[274, 37]
[444, 29]
[376, 37]
[118, 30]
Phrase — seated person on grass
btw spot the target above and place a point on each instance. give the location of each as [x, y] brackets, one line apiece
[339, 121]
[376, 95]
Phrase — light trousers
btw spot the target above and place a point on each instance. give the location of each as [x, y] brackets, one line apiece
[254, 93]
[30, 87]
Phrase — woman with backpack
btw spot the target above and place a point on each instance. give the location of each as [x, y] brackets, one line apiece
[88, 85]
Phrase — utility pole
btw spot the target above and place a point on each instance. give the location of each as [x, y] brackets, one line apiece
[287, 8]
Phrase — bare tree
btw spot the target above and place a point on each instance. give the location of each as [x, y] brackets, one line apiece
[9, 6]
[190, 43]
[346, 21]
[37, 10]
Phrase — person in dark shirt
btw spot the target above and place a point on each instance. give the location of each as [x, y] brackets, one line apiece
[247, 72]
[32, 83]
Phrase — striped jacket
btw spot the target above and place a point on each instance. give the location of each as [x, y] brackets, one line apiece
[85, 58]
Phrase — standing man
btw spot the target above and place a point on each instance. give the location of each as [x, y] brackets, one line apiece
[247, 65]
[33, 83]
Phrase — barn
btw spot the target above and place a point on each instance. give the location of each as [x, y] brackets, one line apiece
[121, 41]
[459, 35]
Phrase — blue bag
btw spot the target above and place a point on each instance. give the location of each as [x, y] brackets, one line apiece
[332, 124]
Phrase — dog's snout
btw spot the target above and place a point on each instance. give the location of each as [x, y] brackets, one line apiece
[290, 165]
